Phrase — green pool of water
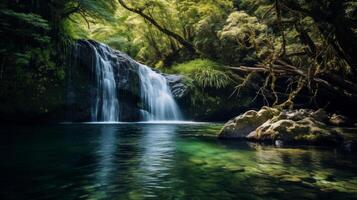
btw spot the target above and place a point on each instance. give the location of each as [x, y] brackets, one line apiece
[163, 161]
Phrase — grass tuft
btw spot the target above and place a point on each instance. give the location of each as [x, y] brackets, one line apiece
[205, 73]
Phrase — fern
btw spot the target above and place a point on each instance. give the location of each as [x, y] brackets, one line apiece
[99, 9]
[211, 78]
[205, 73]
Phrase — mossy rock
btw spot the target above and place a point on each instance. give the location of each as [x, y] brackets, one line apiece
[285, 127]
[242, 125]
[305, 131]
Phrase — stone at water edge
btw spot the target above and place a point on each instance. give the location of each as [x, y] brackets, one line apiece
[320, 115]
[283, 127]
[338, 120]
[242, 125]
[305, 131]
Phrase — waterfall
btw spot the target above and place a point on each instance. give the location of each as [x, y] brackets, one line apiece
[106, 104]
[156, 96]
[123, 89]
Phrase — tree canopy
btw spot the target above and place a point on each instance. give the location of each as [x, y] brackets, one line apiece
[297, 48]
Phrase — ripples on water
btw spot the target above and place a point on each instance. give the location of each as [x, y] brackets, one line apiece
[163, 161]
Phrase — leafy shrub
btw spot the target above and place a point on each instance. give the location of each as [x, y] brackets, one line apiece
[205, 73]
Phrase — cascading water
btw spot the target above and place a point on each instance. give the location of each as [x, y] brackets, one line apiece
[156, 96]
[106, 104]
[124, 87]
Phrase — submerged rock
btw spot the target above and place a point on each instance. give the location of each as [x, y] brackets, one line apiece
[283, 127]
[294, 179]
[234, 169]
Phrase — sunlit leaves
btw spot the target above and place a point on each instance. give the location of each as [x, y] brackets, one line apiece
[98, 9]
[245, 29]
[205, 73]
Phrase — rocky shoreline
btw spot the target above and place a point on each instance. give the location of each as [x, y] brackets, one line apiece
[289, 127]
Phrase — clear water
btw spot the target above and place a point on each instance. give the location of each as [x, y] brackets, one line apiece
[163, 161]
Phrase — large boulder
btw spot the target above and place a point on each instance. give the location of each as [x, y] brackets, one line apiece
[242, 125]
[282, 127]
[304, 131]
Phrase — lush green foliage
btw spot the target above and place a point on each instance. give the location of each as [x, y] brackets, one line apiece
[196, 21]
[299, 42]
[27, 67]
[33, 49]
[293, 46]
[205, 73]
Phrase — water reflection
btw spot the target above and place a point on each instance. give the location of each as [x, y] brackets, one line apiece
[158, 144]
[106, 150]
[164, 161]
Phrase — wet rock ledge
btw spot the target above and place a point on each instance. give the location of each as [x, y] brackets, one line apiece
[285, 127]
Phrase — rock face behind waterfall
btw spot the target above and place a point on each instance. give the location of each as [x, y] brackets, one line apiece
[82, 77]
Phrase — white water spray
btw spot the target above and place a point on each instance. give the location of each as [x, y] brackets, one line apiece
[106, 104]
[156, 96]
[157, 102]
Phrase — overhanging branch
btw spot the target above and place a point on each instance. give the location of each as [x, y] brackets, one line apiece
[152, 21]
